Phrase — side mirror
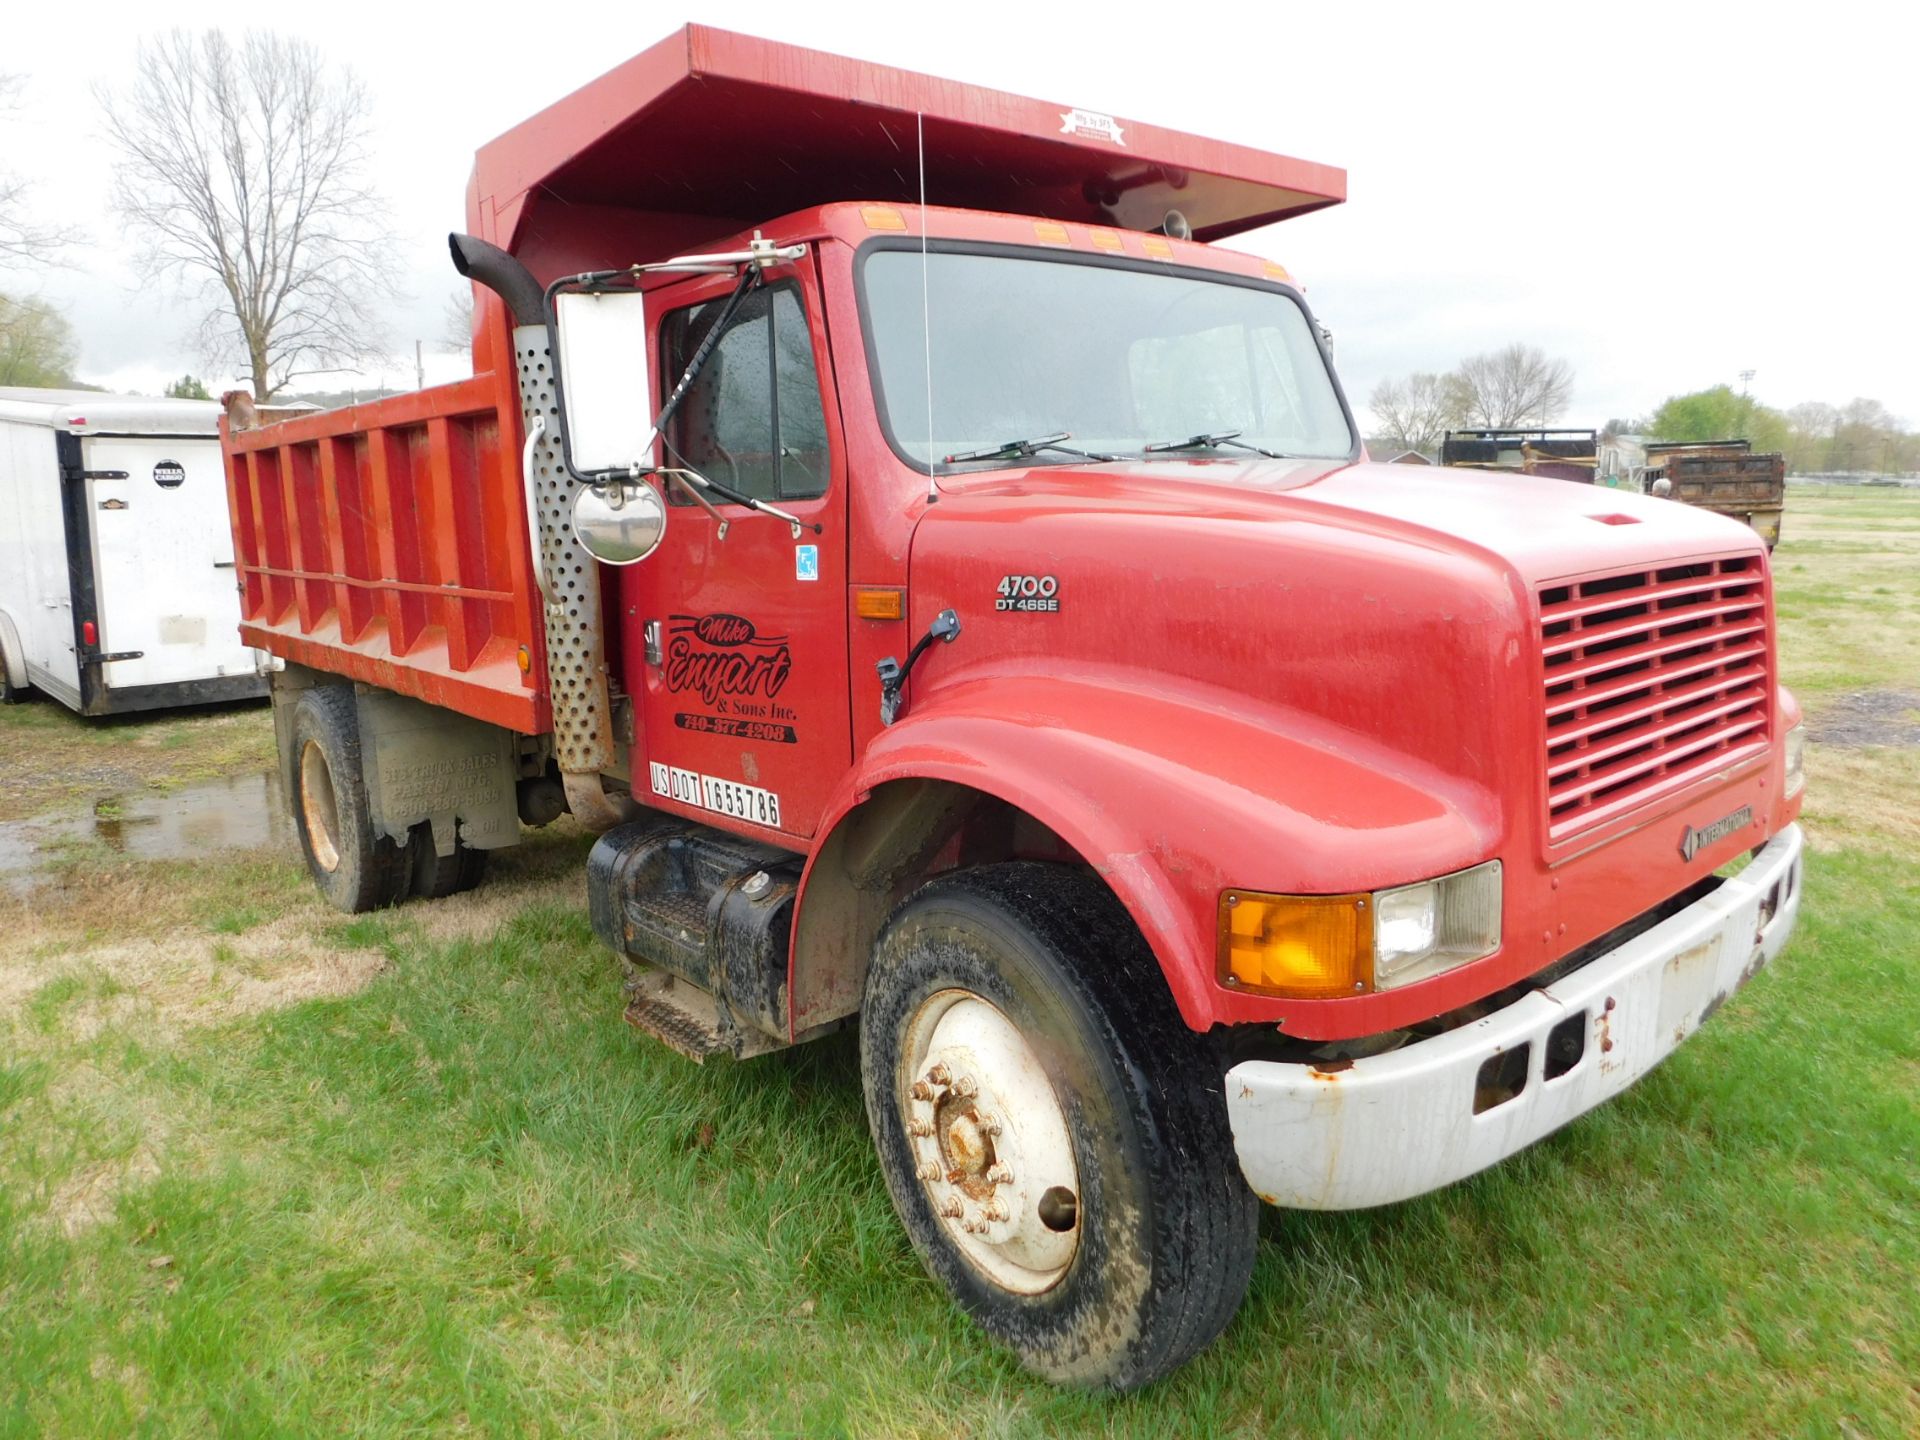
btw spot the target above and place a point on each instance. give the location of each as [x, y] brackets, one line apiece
[620, 522]
[600, 360]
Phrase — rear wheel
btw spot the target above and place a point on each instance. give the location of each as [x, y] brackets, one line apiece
[12, 692]
[1054, 1138]
[436, 876]
[354, 868]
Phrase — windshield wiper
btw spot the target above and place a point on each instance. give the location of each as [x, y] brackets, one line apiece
[1025, 449]
[1229, 439]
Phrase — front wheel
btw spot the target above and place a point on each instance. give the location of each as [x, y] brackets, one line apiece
[1054, 1137]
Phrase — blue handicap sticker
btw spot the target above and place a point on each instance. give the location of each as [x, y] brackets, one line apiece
[806, 562]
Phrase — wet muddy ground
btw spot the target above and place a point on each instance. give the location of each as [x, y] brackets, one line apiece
[1867, 717]
[242, 812]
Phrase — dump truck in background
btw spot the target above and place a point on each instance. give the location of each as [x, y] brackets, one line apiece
[1724, 476]
[975, 620]
[1559, 454]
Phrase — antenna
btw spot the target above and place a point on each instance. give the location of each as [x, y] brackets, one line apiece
[926, 303]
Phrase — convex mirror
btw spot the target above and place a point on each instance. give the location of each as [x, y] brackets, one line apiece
[620, 522]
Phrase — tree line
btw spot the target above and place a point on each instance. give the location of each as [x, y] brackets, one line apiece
[1859, 437]
[1520, 387]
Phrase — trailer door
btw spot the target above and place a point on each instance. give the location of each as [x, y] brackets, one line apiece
[163, 561]
[35, 589]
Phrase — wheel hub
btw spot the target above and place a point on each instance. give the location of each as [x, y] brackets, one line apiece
[991, 1142]
[319, 807]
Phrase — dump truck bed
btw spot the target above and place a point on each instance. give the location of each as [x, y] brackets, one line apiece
[1727, 479]
[709, 132]
[388, 542]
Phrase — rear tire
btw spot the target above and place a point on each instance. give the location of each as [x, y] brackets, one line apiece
[436, 876]
[1054, 1137]
[354, 868]
[10, 693]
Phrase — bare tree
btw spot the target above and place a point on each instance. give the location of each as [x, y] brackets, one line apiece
[22, 240]
[244, 168]
[1515, 386]
[458, 319]
[1416, 413]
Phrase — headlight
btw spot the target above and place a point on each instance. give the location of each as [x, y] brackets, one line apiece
[1319, 947]
[1420, 930]
[1796, 760]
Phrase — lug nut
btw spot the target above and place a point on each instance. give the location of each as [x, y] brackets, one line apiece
[939, 1075]
[975, 1227]
[951, 1207]
[965, 1088]
[921, 1090]
[987, 1123]
[999, 1175]
[919, 1127]
[995, 1209]
[929, 1170]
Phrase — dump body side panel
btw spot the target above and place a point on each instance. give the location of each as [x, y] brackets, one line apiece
[388, 542]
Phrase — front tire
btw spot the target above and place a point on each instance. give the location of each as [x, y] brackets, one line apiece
[353, 867]
[1054, 1138]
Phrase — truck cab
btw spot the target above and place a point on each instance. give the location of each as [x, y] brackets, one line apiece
[979, 621]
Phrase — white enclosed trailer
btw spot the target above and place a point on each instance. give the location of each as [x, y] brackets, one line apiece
[116, 556]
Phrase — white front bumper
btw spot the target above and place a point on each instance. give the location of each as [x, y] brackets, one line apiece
[1392, 1126]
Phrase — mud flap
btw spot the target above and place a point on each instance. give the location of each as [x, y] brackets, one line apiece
[428, 764]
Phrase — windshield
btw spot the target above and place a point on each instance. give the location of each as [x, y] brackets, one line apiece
[1119, 358]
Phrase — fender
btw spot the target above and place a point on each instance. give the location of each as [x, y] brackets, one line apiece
[1172, 798]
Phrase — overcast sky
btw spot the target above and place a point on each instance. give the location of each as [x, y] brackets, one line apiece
[1664, 195]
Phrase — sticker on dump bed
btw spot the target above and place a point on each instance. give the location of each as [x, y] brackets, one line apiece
[722, 797]
[1091, 125]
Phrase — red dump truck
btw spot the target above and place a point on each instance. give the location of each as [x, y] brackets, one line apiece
[977, 619]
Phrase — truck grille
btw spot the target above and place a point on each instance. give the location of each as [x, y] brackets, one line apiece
[1654, 678]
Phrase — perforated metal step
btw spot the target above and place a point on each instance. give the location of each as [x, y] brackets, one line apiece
[686, 1018]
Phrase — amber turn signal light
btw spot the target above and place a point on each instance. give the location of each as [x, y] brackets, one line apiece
[1307, 947]
[880, 604]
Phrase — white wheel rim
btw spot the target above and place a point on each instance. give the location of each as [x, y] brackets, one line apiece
[318, 807]
[990, 1142]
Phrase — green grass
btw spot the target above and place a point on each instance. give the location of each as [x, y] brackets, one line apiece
[465, 1198]
[453, 1194]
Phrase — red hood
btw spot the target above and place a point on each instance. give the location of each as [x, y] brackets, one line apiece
[1542, 528]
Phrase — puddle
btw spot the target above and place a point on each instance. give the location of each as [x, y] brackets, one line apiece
[240, 813]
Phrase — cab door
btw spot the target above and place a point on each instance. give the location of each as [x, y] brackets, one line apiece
[741, 638]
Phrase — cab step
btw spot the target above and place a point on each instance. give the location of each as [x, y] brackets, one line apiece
[708, 915]
[683, 1017]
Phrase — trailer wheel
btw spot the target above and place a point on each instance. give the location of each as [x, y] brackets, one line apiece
[12, 692]
[355, 869]
[1054, 1138]
[436, 876]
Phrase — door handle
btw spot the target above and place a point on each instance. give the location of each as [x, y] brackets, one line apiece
[651, 632]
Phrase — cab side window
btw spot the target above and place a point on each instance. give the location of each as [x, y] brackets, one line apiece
[753, 420]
